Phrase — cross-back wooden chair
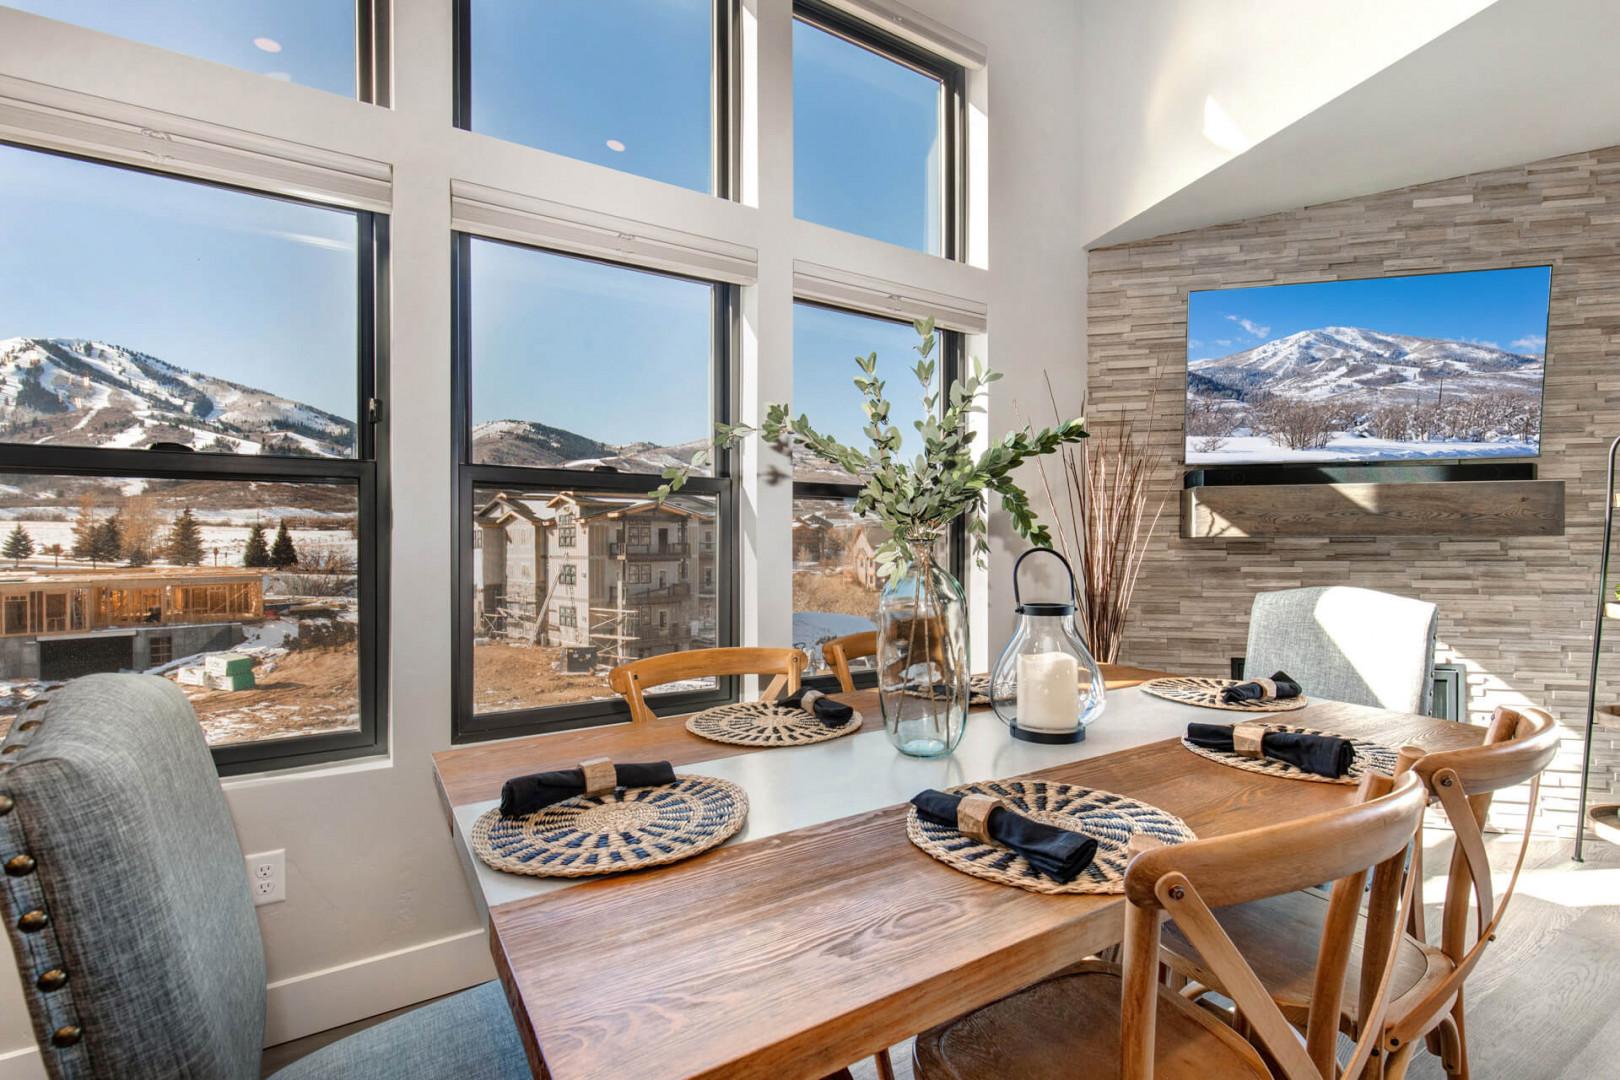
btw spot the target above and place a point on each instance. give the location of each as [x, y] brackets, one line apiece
[1107, 1021]
[841, 650]
[1428, 979]
[631, 681]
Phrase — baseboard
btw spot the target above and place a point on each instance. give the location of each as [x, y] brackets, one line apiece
[24, 1064]
[318, 1000]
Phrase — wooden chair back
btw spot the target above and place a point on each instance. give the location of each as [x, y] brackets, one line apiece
[1518, 745]
[1371, 836]
[841, 650]
[631, 681]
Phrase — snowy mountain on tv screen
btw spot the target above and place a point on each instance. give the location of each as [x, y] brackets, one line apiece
[1351, 393]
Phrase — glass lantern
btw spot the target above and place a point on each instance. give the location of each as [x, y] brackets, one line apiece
[1046, 687]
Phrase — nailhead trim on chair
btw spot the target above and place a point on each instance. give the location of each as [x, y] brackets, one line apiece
[51, 1004]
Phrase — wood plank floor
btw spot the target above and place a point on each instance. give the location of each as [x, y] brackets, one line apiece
[1541, 1004]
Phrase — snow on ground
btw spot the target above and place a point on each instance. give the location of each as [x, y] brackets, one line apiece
[230, 540]
[1258, 449]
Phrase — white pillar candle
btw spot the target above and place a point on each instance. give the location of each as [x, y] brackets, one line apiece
[1048, 691]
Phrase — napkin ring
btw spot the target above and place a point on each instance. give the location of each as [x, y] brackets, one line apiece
[807, 701]
[599, 774]
[1246, 739]
[1268, 688]
[973, 816]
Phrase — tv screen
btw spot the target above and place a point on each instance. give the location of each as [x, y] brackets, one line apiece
[1383, 369]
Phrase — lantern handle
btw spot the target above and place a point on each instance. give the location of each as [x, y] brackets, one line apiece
[1074, 587]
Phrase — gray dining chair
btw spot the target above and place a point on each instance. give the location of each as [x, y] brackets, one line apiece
[1347, 644]
[126, 900]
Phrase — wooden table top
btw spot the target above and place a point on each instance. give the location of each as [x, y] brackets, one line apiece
[475, 773]
[801, 951]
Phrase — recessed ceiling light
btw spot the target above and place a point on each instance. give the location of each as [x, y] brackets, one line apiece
[616, 146]
[269, 45]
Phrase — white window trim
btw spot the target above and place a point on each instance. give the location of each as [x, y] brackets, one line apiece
[53, 118]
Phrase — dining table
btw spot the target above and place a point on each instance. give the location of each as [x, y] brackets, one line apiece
[819, 934]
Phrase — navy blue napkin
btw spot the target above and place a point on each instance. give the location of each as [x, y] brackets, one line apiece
[1323, 755]
[523, 795]
[1060, 854]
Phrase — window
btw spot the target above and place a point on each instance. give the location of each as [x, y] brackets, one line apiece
[578, 381]
[835, 580]
[862, 96]
[567, 616]
[567, 574]
[141, 315]
[636, 85]
[309, 42]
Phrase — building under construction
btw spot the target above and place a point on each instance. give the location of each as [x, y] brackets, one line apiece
[59, 625]
[607, 578]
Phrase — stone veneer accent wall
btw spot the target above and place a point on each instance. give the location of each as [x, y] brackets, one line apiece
[1516, 611]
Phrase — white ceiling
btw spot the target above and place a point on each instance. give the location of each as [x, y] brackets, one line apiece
[1519, 81]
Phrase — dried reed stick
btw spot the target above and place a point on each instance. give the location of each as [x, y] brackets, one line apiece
[1108, 480]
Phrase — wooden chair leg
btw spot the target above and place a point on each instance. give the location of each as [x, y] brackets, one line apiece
[1395, 1064]
[1456, 1063]
[885, 1067]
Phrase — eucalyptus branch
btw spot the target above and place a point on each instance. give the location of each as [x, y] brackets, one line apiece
[916, 500]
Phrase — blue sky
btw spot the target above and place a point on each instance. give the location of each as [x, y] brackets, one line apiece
[310, 42]
[1506, 309]
[256, 290]
[617, 355]
[825, 344]
[262, 291]
[623, 84]
[865, 142]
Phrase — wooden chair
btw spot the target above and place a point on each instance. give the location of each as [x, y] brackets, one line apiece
[631, 681]
[1103, 1020]
[1428, 979]
[841, 650]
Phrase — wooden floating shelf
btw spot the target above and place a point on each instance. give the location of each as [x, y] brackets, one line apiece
[1462, 508]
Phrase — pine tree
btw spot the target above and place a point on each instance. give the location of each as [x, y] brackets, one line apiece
[184, 545]
[258, 552]
[282, 552]
[84, 528]
[19, 545]
[108, 541]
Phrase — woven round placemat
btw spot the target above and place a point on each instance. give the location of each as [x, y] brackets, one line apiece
[766, 723]
[626, 829]
[978, 691]
[1369, 755]
[1206, 694]
[1108, 818]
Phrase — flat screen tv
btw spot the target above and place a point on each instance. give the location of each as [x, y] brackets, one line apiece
[1430, 366]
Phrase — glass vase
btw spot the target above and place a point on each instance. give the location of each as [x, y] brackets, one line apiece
[922, 657]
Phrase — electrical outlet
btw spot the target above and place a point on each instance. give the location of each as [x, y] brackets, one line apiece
[267, 876]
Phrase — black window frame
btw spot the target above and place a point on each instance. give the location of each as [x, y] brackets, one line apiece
[953, 111]
[467, 725]
[725, 94]
[366, 472]
[952, 351]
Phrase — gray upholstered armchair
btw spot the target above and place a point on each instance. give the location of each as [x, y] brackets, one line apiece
[126, 900]
[1347, 644]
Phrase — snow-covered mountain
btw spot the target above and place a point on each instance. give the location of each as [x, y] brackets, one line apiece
[531, 443]
[91, 393]
[1342, 361]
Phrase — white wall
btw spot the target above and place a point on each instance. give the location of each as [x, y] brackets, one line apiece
[1174, 88]
[377, 913]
